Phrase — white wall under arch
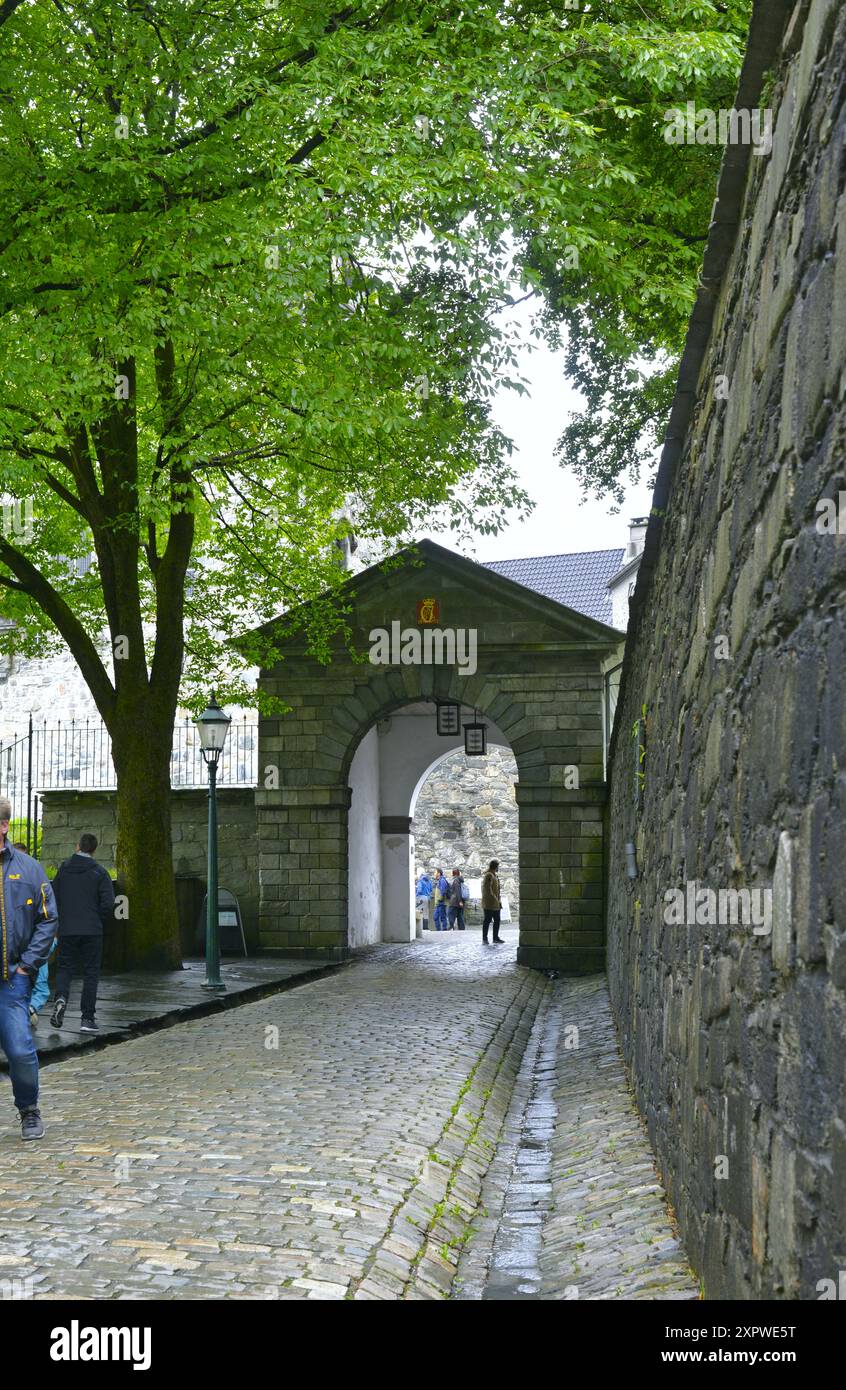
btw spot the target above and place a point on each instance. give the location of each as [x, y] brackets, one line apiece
[364, 891]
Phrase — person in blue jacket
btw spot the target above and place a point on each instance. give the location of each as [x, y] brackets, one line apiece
[423, 896]
[28, 922]
[441, 895]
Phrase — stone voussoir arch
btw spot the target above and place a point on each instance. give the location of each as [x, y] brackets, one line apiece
[447, 691]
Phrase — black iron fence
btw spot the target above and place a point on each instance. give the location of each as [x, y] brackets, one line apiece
[16, 783]
[76, 756]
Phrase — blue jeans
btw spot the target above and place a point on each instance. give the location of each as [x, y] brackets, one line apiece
[440, 917]
[41, 990]
[16, 1038]
[457, 912]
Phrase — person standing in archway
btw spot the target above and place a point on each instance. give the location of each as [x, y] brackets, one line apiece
[441, 895]
[458, 895]
[423, 896]
[491, 903]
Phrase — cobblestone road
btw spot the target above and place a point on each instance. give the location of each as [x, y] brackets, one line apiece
[308, 1145]
[332, 1142]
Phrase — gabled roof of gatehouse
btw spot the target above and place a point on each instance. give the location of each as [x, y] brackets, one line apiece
[491, 585]
[578, 579]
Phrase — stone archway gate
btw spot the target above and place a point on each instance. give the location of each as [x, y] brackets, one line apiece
[537, 675]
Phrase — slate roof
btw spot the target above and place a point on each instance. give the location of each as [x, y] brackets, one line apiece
[579, 581]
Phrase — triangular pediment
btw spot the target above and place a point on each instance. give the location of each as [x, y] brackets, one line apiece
[464, 590]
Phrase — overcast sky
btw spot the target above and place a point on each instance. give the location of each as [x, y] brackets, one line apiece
[559, 523]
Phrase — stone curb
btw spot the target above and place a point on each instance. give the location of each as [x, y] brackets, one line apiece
[476, 1258]
[215, 1005]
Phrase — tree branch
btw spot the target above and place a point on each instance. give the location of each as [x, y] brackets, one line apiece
[87, 658]
[304, 56]
[7, 9]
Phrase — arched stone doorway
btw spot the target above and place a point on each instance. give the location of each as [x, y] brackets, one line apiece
[536, 676]
[389, 766]
[464, 814]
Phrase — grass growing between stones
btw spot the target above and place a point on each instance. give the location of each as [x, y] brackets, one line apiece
[443, 1229]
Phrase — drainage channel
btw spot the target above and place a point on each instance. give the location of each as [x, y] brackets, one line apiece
[503, 1259]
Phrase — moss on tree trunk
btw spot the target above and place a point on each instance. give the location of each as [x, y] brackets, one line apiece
[144, 853]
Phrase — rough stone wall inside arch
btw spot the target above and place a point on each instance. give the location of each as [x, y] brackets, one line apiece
[466, 815]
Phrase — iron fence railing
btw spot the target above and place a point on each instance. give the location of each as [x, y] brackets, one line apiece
[16, 783]
[76, 756]
[239, 760]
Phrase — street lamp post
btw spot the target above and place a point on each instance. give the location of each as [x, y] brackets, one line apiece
[212, 727]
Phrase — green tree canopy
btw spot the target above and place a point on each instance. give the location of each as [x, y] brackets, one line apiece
[256, 266]
[636, 209]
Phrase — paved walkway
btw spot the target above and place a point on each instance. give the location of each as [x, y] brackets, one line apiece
[136, 1000]
[327, 1142]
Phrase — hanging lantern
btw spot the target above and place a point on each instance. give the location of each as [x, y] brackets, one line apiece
[475, 740]
[449, 720]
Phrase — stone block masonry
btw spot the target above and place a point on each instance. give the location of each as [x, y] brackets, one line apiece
[67, 814]
[538, 679]
[737, 650]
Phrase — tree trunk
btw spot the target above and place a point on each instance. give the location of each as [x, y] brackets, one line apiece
[144, 848]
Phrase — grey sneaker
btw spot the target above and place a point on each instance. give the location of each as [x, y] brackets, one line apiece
[57, 1017]
[89, 1025]
[31, 1123]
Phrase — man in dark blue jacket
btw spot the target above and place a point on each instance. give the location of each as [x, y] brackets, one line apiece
[86, 902]
[27, 927]
[441, 895]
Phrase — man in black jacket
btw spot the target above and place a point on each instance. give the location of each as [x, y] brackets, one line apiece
[86, 902]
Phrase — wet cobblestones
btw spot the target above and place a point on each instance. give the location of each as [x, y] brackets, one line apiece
[573, 1205]
[296, 1147]
[417, 1126]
